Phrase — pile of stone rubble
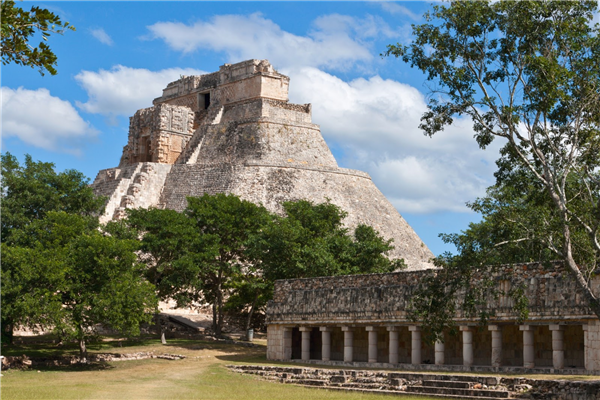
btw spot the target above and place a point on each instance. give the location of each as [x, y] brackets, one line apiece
[24, 362]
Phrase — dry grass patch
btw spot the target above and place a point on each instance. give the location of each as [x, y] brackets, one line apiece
[202, 375]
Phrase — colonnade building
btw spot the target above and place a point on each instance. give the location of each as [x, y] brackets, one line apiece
[363, 320]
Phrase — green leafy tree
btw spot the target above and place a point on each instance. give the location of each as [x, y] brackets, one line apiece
[201, 255]
[310, 240]
[510, 232]
[528, 73]
[167, 238]
[249, 295]
[226, 225]
[227, 252]
[19, 27]
[73, 277]
[28, 193]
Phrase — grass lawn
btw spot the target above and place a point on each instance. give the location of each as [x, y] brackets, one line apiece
[202, 375]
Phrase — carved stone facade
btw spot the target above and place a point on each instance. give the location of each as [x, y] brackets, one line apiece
[234, 131]
[158, 134]
[362, 320]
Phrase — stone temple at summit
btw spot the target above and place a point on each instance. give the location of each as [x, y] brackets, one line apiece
[234, 131]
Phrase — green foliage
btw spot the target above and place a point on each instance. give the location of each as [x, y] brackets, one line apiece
[226, 225]
[526, 72]
[59, 270]
[18, 29]
[28, 193]
[227, 252]
[311, 241]
[168, 238]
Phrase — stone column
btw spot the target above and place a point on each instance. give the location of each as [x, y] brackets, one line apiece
[305, 349]
[496, 345]
[467, 342]
[348, 343]
[439, 353]
[558, 353]
[287, 343]
[326, 342]
[591, 340]
[415, 351]
[372, 354]
[528, 350]
[393, 345]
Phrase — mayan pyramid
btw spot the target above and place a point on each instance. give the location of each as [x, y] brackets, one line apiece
[234, 131]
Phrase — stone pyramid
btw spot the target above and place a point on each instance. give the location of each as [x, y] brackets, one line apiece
[234, 131]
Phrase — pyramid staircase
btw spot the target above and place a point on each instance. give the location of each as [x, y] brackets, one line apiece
[192, 149]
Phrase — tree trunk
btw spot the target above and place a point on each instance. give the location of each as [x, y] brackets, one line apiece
[163, 327]
[82, 350]
[249, 320]
[214, 321]
[592, 300]
[219, 306]
[7, 331]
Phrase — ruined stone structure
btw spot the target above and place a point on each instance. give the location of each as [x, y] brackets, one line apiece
[362, 320]
[234, 131]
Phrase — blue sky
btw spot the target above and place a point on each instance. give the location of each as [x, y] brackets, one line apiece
[124, 53]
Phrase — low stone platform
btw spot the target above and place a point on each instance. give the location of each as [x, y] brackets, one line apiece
[425, 384]
[452, 368]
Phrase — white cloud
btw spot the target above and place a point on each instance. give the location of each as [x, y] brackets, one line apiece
[102, 36]
[336, 41]
[42, 120]
[376, 122]
[395, 9]
[123, 90]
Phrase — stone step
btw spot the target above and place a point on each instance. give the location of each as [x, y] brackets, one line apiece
[449, 384]
[412, 394]
[359, 385]
[310, 382]
[497, 394]
[487, 380]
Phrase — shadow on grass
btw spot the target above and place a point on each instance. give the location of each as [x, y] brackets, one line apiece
[203, 344]
[248, 357]
[77, 367]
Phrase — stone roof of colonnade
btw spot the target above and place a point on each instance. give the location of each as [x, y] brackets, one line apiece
[384, 299]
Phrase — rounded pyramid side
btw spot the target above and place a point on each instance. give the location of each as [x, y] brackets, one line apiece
[353, 191]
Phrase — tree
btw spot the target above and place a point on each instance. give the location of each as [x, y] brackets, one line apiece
[28, 193]
[226, 225]
[311, 241]
[73, 277]
[167, 238]
[526, 72]
[19, 27]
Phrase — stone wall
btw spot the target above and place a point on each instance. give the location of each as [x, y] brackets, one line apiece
[380, 301]
[552, 295]
[158, 134]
